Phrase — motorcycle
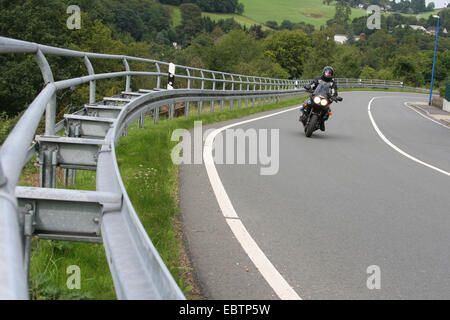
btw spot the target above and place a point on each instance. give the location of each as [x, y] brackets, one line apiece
[319, 107]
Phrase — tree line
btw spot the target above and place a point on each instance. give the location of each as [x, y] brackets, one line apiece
[220, 6]
[293, 50]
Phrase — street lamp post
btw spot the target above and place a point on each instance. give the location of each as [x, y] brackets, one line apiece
[434, 59]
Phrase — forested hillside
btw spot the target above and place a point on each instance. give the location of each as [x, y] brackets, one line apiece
[144, 28]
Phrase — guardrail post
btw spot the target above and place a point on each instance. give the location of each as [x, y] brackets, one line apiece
[171, 111]
[189, 78]
[141, 122]
[28, 228]
[200, 104]
[224, 82]
[240, 89]
[156, 115]
[128, 78]
[158, 81]
[50, 113]
[214, 88]
[48, 160]
[92, 84]
[48, 165]
[254, 89]
[248, 89]
[187, 104]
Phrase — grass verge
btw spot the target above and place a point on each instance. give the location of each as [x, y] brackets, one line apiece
[50, 259]
[379, 89]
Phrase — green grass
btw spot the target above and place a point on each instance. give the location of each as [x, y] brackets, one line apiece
[260, 11]
[308, 11]
[244, 21]
[424, 15]
[50, 259]
[176, 15]
[378, 89]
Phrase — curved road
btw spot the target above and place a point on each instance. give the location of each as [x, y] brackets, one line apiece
[341, 202]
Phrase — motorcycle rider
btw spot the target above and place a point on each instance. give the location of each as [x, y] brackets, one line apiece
[327, 76]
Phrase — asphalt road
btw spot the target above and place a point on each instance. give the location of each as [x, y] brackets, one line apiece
[342, 201]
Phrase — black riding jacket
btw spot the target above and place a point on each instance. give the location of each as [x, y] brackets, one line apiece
[316, 81]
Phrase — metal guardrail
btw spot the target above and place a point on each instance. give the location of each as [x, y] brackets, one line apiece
[107, 214]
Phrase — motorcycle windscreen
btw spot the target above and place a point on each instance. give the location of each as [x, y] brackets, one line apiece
[323, 90]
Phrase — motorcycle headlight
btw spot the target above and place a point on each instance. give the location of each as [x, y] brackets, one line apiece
[324, 102]
[317, 100]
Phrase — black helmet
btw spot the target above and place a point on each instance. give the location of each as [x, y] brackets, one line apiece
[328, 72]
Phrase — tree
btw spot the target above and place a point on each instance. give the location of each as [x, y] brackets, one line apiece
[257, 32]
[272, 24]
[405, 68]
[385, 74]
[222, 6]
[288, 48]
[347, 61]
[191, 22]
[287, 25]
[418, 6]
[321, 53]
[341, 17]
[368, 73]
[240, 9]
[384, 43]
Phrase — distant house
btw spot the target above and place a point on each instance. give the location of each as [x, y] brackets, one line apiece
[413, 26]
[431, 30]
[340, 38]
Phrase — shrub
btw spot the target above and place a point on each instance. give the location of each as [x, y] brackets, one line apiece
[6, 125]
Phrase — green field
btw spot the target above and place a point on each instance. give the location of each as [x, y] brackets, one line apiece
[308, 11]
[242, 20]
[260, 11]
[424, 15]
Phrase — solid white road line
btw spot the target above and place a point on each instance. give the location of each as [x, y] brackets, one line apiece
[389, 143]
[260, 260]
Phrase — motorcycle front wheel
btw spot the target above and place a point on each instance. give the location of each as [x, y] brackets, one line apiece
[311, 126]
